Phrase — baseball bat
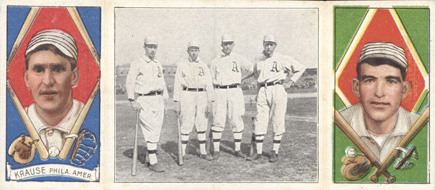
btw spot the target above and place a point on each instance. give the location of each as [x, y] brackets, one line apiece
[43, 153]
[78, 124]
[180, 148]
[251, 149]
[133, 168]
[418, 124]
[349, 132]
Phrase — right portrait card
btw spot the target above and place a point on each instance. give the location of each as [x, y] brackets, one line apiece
[381, 95]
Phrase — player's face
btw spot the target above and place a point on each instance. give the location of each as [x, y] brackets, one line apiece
[151, 50]
[269, 47]
[381, 90]
[50, 79]
[193, 53]
[227, 47]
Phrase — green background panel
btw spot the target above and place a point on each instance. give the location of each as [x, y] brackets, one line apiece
[415, 20]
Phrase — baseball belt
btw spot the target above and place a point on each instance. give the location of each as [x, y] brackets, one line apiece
[271, 83]
[193, 89]
[227, 86]
[153, 93]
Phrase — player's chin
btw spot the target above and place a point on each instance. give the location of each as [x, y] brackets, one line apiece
[380, 115]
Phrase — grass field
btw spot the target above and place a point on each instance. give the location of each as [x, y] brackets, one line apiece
[298, 158]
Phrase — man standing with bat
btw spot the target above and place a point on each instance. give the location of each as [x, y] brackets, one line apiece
[379, 119]
[147, 91]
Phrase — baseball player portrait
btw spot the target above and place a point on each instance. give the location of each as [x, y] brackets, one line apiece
[271, 70]
[193, 94]
[228, 70]
[51, 73]
[378, 118]
[146, 91]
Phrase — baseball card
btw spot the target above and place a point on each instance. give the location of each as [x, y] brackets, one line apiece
[381, 94]
[199, 78]
[53, 112]
[208, 94]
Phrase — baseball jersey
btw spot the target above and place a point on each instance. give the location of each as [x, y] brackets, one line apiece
[354, 116]
[145, 76]
[193, 74]
[276, 67]
[54, 136]
[228, 69]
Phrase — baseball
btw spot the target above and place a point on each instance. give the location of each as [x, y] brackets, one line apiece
[53, 152]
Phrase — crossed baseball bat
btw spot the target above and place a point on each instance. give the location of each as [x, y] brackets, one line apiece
[381, 168]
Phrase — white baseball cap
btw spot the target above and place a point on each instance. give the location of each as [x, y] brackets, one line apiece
[151, 40]
[58, 38]
[227, 38]
[193, 44]
[384, 50]
[269, 38]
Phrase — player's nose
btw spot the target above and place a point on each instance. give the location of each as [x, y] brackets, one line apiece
[48, 78]
[379, 89]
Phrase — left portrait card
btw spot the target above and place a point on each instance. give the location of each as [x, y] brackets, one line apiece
[53, 99]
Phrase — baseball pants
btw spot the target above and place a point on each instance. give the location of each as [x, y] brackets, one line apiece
[228, 103]
[271, 104]
[151, 117]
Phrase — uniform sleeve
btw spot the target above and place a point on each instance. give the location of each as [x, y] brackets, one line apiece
[296, 68]
[246, 67]
[131, 79]
[165, 88]
[177, 83]
[209, 85]
[213, 70]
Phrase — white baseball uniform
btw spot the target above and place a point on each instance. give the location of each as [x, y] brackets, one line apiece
[226, 71]
[145, 80]
[270, 72]
[193, 89]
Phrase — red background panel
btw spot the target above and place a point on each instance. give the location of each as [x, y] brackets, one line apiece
[382, 28]
[54, 18]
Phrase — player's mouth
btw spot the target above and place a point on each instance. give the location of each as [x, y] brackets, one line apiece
[380, 104]
[48, 93]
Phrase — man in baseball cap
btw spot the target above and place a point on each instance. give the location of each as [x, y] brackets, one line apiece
[379, 119]
[51, 74]
[228, 70]
[193, 95]
[146, 91]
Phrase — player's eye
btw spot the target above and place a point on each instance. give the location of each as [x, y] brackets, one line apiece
[392, 81]
[369, 80]
[38, 69]
[58, 69]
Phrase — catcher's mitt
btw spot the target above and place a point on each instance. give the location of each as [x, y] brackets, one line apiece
[22, 149]
[355, 167]
[84, 148]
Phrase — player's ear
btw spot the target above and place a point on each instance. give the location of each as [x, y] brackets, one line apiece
[355, 87]
[406, 89]
[75, 77]
[26, 80]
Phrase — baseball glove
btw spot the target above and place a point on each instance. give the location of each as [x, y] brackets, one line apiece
[355, 167]
[84, 148]
[22, 149]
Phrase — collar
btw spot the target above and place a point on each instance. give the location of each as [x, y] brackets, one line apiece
[402, 125]
[224, 55]
[197, 60]
[147, 59]
[65, 125]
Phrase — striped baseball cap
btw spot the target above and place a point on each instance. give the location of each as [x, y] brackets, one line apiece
[58, 38]
[384, 50]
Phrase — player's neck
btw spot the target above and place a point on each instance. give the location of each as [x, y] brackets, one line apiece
[54, 117]
[380, 128]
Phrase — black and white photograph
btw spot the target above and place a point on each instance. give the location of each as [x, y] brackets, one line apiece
[216, 95]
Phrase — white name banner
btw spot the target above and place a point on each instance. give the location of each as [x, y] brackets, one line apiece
[46, 170]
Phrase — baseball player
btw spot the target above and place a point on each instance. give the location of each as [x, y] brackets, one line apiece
[228, 70]
[271, 70]
[51, 74]
[193, 94]
[378, 118]
[146, 92]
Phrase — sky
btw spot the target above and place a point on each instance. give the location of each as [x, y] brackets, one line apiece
[296, 31]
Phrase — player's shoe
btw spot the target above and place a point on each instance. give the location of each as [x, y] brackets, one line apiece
[215, 155]
[240, 154]
[273, 157]
[206, 157]
[156, 167]
[255, 156]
